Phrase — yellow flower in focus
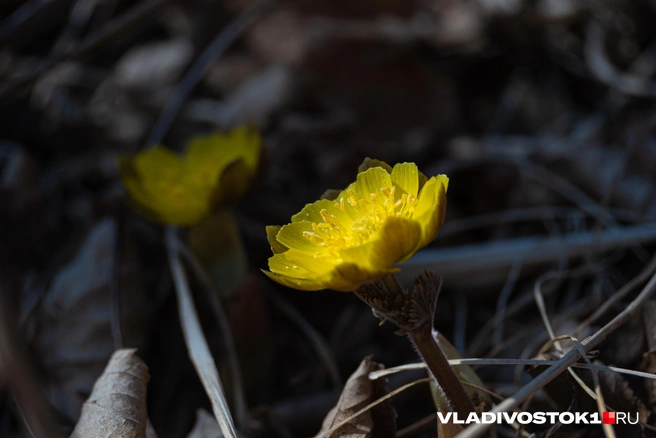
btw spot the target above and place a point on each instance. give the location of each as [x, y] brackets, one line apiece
[178, 189]
[381, 219]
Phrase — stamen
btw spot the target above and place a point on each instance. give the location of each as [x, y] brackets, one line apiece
[368, 216]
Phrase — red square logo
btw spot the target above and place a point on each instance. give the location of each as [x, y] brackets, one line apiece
[608, 418]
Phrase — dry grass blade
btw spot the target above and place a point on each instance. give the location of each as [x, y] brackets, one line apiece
[199, 352]
[566, 361]
[117, 405]
[500, 361]
[539, 299]
[601, 405]
[238, 384]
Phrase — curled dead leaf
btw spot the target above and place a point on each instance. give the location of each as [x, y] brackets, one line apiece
[117, 405]
[359, 391]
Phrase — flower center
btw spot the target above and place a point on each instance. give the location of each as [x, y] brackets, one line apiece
[368, 217]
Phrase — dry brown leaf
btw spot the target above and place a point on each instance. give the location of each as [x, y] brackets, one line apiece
[117, 405]
[75, 333]
[619, 395]
[649, 366]
[359, 391]
[206, 426]
[449, 429]
[649, 357]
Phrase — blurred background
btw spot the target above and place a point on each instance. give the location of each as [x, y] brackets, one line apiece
[541, 112]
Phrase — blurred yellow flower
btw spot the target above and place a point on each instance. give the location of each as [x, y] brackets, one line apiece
[175, 189]
[381, 219]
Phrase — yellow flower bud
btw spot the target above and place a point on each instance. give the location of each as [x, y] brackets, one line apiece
[175, 189]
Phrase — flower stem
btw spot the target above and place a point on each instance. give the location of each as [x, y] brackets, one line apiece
[439, 367]
[413, 313]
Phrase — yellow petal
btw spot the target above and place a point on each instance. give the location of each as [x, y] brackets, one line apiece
[296, 283]
[154, 180]
[207, 153]
[206, 158]
[396, 242]
[344, 278]
[405, 176]
[371, 181]
[293, 236]
[272, 232]
[223, 162]
[422, 180]
[313, 213]
[248, 142]
[298, 264]
[431, 207]
[158, 163]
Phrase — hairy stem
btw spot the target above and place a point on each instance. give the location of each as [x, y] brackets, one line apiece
[413, 313]
[439, 367]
